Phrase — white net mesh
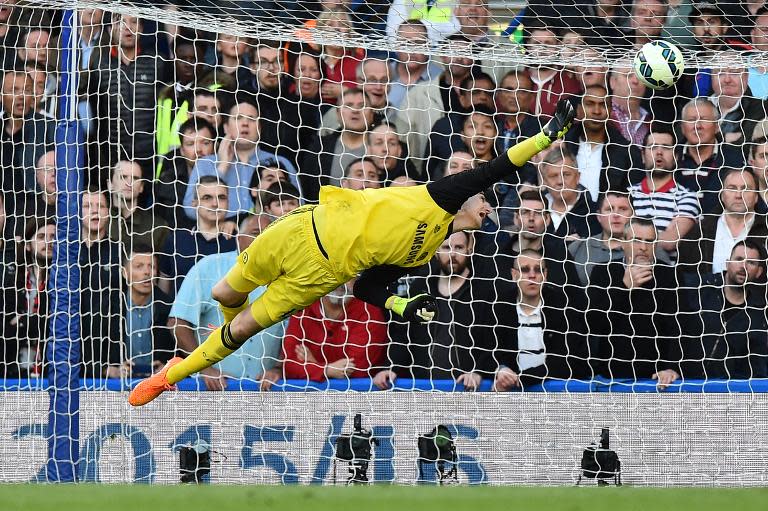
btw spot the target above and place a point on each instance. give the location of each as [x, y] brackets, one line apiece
[628, 258]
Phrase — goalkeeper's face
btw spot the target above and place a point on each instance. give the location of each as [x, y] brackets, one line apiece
[472, 213]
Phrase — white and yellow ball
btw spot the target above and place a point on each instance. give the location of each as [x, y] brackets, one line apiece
[659, 64]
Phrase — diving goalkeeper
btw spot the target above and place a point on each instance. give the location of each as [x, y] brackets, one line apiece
[377, 233]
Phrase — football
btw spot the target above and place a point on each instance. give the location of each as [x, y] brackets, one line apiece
[659, 64]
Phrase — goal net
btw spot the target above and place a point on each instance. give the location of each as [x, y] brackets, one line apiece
[616, 281]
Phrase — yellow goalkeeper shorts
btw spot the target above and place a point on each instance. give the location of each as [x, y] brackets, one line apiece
[286, 257]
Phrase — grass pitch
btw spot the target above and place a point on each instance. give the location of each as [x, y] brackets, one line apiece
[372, 498]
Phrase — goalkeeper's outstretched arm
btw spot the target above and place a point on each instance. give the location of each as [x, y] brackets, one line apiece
[451, 192]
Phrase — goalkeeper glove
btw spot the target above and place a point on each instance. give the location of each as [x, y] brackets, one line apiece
[561, 122]
[421, 308]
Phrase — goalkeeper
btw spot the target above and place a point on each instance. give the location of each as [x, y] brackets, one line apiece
[313, 250]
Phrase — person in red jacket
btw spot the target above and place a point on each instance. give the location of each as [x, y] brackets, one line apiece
[339, 336]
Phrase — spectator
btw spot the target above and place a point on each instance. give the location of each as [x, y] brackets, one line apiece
[306, 80]
[709, 27]
[361, 174]
[10, 34]
[677, 27]
[673, 208]
[479, 135]
[627, 92]
[232, 61]
[475, 97]
[607, 22]
[194, 314]
[514, 100]
[595, 72]
[473, 18]
[532, 229]
[93, 33]
[459, 161]
[280, 199]
[238, 155]
[739, 110]
[708, 245]
[198, 138]
[206, 106]
[337, 337]
[411, 66]
[25, 314]
[758, 161]
[263, 178]
[189, 73]
[727, 327]
[129, 222]
[34, 49]
[305, 90]
[325, 160]
[614, 211]
[605, 158]
[632, 312]
[278, 111]
[45, 176]
[373, 75]
[571, 211]
[461, 345]
[531, 221]
[25, 135]
[705, 156]
[544, 338]
[438, 19]
[147, 339]
[647, 20]
[551, 83]
[388, 153]
[758, 75]
[100, 301]
[121, 83]
[183, 247]
[45, 86]
[339, 63]
[431, 101]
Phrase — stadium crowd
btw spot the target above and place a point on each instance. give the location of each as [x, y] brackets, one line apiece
[634, 249]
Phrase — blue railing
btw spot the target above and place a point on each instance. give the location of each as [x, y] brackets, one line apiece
[402, 384]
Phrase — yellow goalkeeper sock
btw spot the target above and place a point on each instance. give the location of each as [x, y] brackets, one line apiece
[216, 348]
[520, 153]
[231, 312]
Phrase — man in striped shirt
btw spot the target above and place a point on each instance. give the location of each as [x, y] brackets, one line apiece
[673, 208]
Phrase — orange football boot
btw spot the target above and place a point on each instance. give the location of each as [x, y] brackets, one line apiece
[150, 388]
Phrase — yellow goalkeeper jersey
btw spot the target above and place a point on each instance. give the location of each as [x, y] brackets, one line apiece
[401, 226]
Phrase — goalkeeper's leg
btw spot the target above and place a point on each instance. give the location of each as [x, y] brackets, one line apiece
[288, 261]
